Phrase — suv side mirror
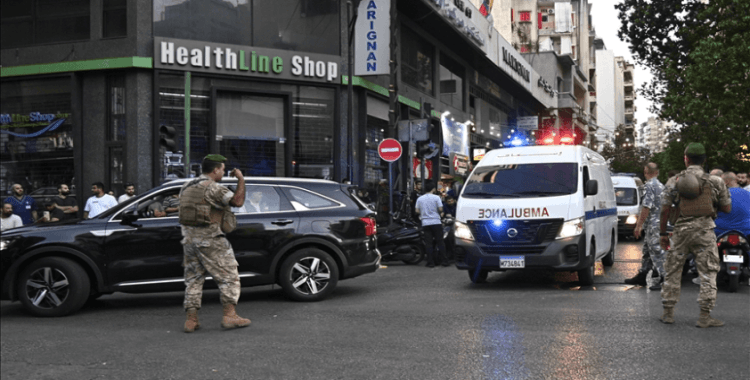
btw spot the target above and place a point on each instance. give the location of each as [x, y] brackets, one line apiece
[592, 187]
[129, 217]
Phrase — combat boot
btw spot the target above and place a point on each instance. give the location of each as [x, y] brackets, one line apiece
[191, 321]
[231, 320]
[705, 320]
[639, 279]
[668, 316]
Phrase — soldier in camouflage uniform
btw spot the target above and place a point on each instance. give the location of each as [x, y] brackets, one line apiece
[205, 247]
[652, 256]
[692, 234]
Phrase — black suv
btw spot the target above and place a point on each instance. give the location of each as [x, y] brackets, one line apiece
[306, 236]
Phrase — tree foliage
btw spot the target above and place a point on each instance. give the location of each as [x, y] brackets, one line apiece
[700, 56]
[625, 159]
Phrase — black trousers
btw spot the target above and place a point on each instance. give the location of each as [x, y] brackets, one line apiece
[433, 236]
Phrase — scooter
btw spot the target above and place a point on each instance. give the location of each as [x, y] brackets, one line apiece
[733, 254]
[401, 241]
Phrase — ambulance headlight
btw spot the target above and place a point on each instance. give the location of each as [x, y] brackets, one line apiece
[463, 231]
[632, 219]
[570, 228]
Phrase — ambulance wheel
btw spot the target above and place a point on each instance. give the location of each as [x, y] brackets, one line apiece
[478, 276]
[586, 275]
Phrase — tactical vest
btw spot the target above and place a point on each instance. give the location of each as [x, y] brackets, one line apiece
[702, 205]
[194, 210]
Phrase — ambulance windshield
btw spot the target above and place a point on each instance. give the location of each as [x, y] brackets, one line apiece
[522, 181]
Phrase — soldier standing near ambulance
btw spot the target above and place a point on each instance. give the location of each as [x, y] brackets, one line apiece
[206, 218]
[697, 197]
[652, 255]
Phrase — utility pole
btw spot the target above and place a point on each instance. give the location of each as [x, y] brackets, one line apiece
[393, 114]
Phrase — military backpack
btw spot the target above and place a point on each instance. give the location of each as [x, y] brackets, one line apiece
[700, 205]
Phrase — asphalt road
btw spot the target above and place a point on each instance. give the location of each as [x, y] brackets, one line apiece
[402, 322]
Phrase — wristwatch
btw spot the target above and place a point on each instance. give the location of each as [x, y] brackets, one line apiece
[664, 234]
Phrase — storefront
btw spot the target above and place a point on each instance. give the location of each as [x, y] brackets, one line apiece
[36, 135]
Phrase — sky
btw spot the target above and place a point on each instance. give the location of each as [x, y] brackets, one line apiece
[606, 23]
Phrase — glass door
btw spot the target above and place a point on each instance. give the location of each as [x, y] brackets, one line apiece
[251, 132]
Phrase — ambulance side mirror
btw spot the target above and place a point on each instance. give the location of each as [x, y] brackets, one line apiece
[592, 187]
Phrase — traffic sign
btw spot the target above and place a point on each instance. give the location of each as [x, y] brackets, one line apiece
[390, 150]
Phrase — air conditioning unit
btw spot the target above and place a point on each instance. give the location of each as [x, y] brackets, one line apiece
[550, 11]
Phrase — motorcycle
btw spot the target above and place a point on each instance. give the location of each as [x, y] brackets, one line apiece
[734, 254]
[401, 241]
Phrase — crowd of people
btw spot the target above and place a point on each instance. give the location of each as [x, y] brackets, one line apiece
[20, 209]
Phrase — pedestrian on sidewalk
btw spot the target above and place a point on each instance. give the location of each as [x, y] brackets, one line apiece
[429, 207]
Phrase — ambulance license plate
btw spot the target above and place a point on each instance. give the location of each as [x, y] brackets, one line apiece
[512, 262]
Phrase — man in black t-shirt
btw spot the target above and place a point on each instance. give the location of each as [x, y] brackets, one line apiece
[50, 212]
[65, 203]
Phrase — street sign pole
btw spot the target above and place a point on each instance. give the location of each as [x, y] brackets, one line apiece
[390, 192]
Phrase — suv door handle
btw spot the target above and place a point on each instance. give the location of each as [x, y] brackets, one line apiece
[282, 222]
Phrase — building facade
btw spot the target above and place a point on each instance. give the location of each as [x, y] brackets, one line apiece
[139, 91]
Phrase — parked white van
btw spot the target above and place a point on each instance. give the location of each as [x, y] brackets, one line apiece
[537, 207]
[628, 197]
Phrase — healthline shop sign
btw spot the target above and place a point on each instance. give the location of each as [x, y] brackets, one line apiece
[197, 56]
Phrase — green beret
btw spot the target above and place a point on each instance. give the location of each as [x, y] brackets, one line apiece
[695, 149]
[215, 158]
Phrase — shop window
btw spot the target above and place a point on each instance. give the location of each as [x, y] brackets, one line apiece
[114, 18]
[36, 137]
[172, 113]
[298, 25]
[116, 108]
[416, 61]
[451, 82]
[35, 22]
[116, 132]
[375, 170]
[312, 126]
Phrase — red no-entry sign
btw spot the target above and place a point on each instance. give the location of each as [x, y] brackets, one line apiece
[390, 150]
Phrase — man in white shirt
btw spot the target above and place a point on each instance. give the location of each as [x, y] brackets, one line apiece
[129, 193]
[99, 202]
[253, 205]
[429, 207]
[9, 220]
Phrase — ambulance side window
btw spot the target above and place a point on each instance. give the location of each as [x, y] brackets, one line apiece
[585, 179]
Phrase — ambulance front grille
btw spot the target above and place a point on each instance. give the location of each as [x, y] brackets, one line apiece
[531, 231]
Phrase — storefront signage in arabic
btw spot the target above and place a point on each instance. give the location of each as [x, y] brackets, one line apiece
[515, 64]
[545, 86]
[199, 56]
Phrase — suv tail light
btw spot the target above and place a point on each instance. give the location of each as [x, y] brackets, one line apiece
[371, 227]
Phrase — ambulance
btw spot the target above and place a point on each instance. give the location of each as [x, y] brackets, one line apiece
[537, 207]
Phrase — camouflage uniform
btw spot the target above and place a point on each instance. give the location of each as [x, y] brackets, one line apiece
[652, 255]
[694, 235]
[206, 249]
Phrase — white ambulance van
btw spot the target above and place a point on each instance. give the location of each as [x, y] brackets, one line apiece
[628, 198]
[537, 207]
